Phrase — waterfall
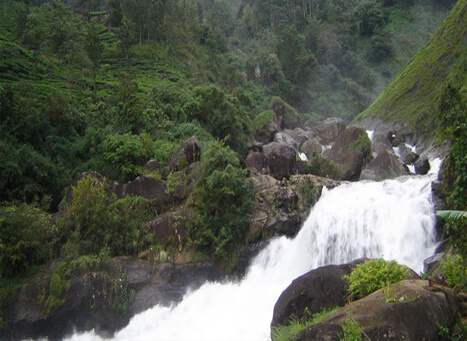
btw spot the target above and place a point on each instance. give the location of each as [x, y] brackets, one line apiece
[393, 219]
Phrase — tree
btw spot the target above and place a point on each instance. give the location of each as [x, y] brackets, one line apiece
[94, 50]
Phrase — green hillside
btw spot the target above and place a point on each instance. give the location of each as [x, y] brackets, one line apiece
[413, 98]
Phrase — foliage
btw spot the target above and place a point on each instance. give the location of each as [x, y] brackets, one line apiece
[317, 165]
[456, 227]
[351, 331]
[455, 270]
[373, 275]
[24, 239]
[222, 203]
[291, 330]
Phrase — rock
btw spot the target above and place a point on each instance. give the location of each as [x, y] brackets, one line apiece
[267, 148]
[410, 158]
[299, 135]
[329, 129]
[311, 147]
[170, 228]
[385, 166]
[381, 142]
[403, 150]
[322, 288]
[286, 116]
[352, 150]
[258, 162]
[422, 166]
[287, 140]
[266, 134]
[322, 332]
[152, 166]
[282, 162]
[411, 310]
[284, 225]
[94, 175]
[189, 152]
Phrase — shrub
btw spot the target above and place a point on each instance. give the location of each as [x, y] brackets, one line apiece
[455, 270]
[24, 233]
[373, 275]
[456, 228]
[222, 203]
[320, 166]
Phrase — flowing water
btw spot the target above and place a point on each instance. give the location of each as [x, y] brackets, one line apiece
[393, 219]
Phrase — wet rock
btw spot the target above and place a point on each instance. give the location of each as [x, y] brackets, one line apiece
[322, 288]
[352, 150]
[189, 152]
[282, 162]
[329, 129]
[411, 158]
[422, 166]
[385, 166]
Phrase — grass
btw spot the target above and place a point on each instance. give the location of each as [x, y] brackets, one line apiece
[291, 331]
[411, 99]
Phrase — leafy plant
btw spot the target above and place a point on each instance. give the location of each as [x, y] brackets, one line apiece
[373, 275]
[456, 228]
[455, 270]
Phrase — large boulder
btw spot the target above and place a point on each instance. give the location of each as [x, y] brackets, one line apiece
[299, 135]
[268, 148]
[258, 162]
[422, 166]
[410, 310]
[170, 228]
[322, 288]
[352, 150]
[266, 133]
[284, 138]
[329, 129]
[186, 154]
[311, 147]
[385, 166]
[282, 162]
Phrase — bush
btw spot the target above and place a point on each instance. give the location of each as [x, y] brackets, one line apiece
[455, 270]
[373, 275]
[24, 233]
[222, 203]
[455, 228]
[320, 166]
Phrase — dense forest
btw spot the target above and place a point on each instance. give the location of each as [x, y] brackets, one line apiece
[106, 86]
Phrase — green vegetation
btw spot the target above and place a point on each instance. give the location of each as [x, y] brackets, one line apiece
[455, 270]
[373, 275]
[351, 330]
[317, 165]
[291, 331]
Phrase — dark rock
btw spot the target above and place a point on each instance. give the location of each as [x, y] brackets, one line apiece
[152, 166]
[148, 188]
[284, 225]
[352, 150]
[411, 158]
[322, 288]
[311, 147]
[170, 228]
[329, 129]
[287, 140]
[380, 142]
[422, 166]
[189, 152]
[322, 332]
[412, 310]
[403, 150]
[385, 166]
[258, 162]
[282, 162]
[268, 148]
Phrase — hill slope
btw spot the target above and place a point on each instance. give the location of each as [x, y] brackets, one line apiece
[412, 99]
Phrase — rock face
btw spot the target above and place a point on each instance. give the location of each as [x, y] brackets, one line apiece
[411, 310]
[385, 166]
[186, 154]
[101, 299]
[282, 162]
[319, 289]
[282, 206]
[352, 150]
[329, 129]
[151, 166]
[284, 138]
[258, 162]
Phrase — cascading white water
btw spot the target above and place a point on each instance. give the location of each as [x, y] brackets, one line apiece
[393, 219]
